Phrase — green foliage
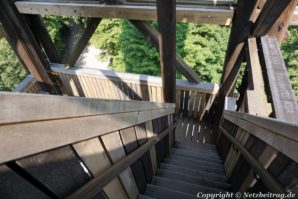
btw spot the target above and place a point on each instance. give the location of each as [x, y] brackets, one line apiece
[202, 46]
[290, 53]
[11, 71]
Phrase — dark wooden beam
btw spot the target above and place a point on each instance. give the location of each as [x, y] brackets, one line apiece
[241, 28]
[270, 13]
[41, 33]
[166, 15]
[152, 36]
[280, 27]
[83, 41]
[24, 44]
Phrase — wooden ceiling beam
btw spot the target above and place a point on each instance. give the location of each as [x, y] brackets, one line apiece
[209, 15]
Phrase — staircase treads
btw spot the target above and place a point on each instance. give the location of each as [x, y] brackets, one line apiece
[163, 193]
[182, 186]
[195, 149]
[196, 161]
[196, 155]
[193, 172]
[193, 145]
[145, 197]
[204, 181]
[194, 166]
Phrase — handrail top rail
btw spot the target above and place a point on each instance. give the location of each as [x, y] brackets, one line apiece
[134, 78]
[277, 126]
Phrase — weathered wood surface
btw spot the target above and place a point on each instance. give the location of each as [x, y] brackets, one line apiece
[166, 18]
[276, 133]
[59, 131]
[152, 36]
[95, 185]
[83, 41]
[222, 16]
[283, 98]
[25, 45]
[28, 85]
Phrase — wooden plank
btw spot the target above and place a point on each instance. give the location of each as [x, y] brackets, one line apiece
[40, 31]
[166, 17]
[94, 157]
[112, 143]
[270, 182]
[58, 170]
[284, 101]
[130, 144]
[95, 185]
[23, 107]
[152, 36]
[83, 41]
[65, 131]
[25, 45]
[147, 80]
[26, 84]
[150, 134]
[14, 186]
[211, 15]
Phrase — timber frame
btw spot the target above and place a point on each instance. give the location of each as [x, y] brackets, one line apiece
[253, 139]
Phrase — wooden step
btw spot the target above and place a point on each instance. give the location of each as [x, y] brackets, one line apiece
[201, 153]
[159, 192]
[193, 172]
[203, 181]
[200, 156]
[194, 166]
[193, 145]
[184, 187]
[145, 197]
[196, 161]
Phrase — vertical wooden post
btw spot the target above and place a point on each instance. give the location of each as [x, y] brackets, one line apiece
[166, 15]
[25, 45]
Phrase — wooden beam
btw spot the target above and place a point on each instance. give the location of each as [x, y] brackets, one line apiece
[241, 29]
[83, 41]
[41, 33]
[209, 15]
[280, 27]
[270, 13]
[166, 16]
[24, 44]
[152, 36]
[282, 95]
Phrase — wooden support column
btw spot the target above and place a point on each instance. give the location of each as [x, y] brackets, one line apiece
[166, 14]
[84, 39]
[42, 35]
[152, 37]
[24, 44]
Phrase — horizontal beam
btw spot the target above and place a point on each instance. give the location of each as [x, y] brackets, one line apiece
[16, 108]
[278, 134]
[217, 15]
[210, 15]
[203, 87]
[98, 183]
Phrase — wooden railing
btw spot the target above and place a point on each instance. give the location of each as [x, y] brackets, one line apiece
[28, 85]
[57, 146]
[191, 99]
[251, 136]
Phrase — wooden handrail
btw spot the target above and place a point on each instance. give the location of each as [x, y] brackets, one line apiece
[278, 134]
[267, 178]
[135, 78]
[98, 183]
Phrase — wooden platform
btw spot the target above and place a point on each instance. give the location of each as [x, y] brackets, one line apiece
[192, 129]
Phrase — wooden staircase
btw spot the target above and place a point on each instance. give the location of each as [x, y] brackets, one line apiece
[189, 168]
